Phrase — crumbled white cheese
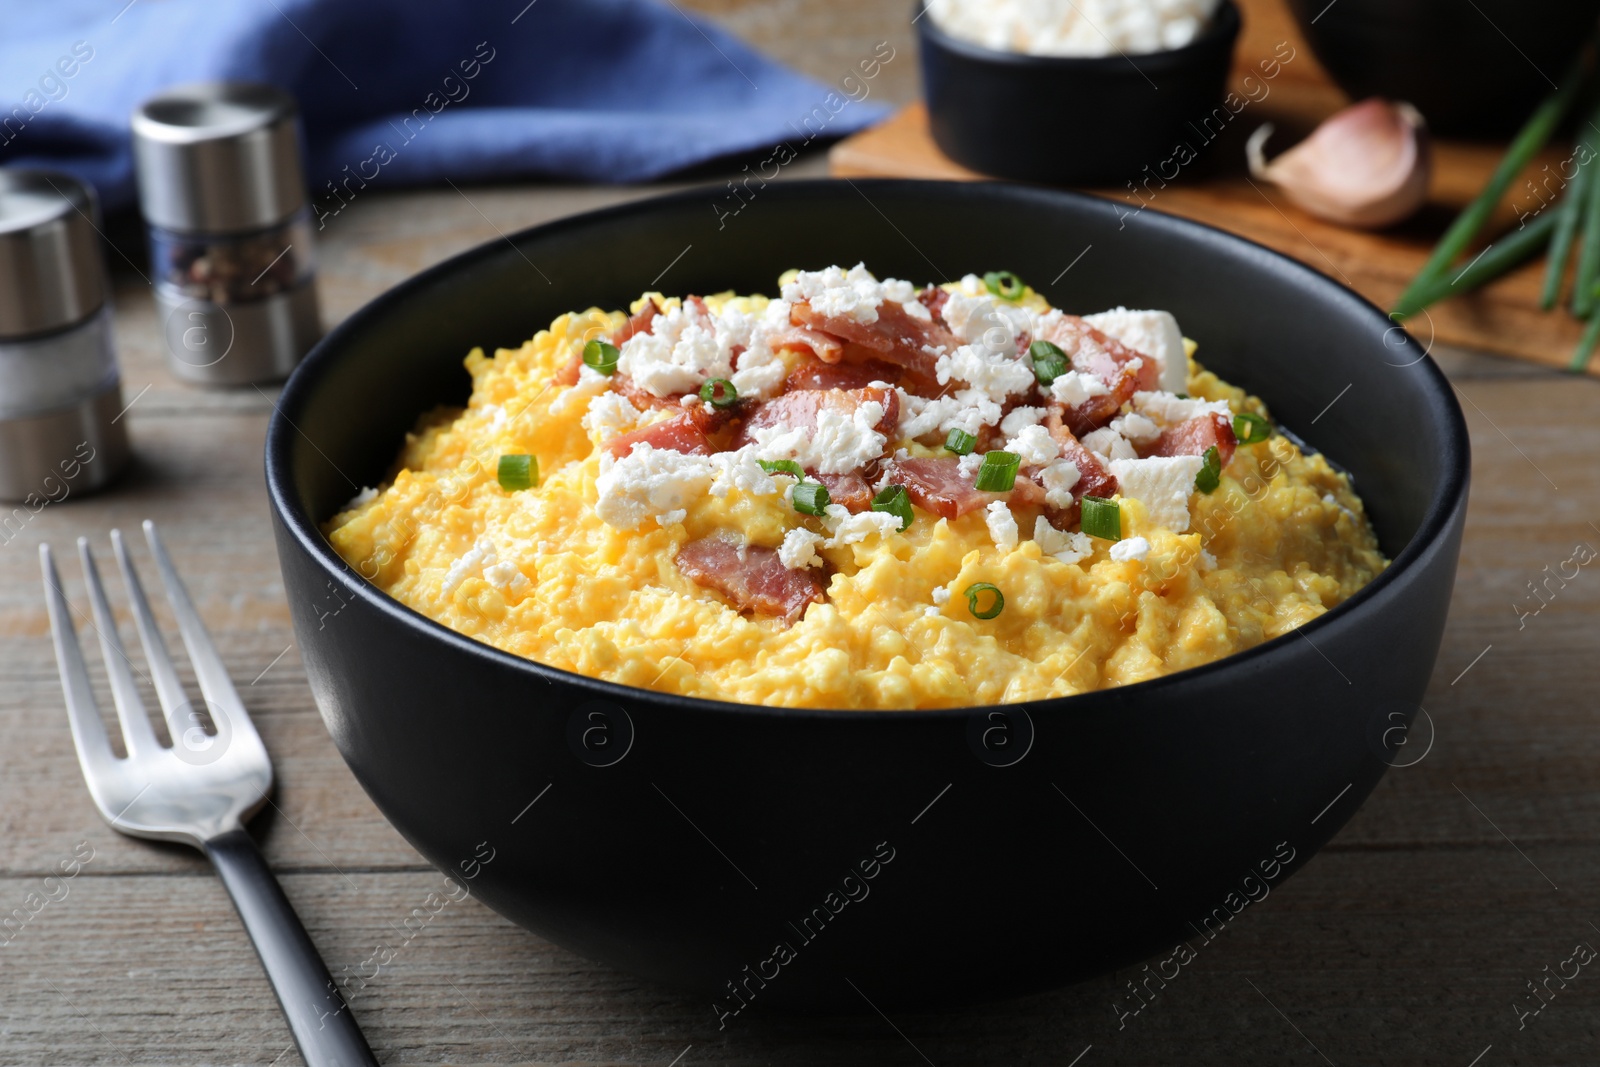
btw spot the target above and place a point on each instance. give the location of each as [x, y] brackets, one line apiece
[1169, 410]
[1064, 546]
[1075, 388]
[482, 559]
[1002, 526]
[760, 375]
[610, 414]
[740, 470]
[1151, 333]
[470, 563]
[506, 576]
[682, 350]
[854, 294]
[1109, 443]
[799, 549]
[847, 529]
[1162, 483]
[983, 321]
[969, 464]
[1034, 445]
[1058, 478]
[994, 373]
[968, 410]
[1020, 419]
[590, 383]
[1075, 27]
[650, 483]
[1208, 562]
[361, 499]
[1136, 428]
[1132, 548]
[840, 442]
[941, 595]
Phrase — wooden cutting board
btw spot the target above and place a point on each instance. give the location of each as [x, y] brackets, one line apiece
[1503, 317]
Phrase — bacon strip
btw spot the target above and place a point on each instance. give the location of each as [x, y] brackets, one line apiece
[800, 410]
[895, 336]
[828, 349]
[638, 323]
[1093, 478]
[938, 485]
[851, 374]
[706, 416]
[680, 434]
[1100, 356]
[753, 578]
[1193, 436]
[850, 489]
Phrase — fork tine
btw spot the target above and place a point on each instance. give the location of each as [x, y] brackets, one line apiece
[88, 732]
[169, 691]
[215, 684]
[136, 731]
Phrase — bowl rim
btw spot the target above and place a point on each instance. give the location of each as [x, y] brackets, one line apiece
[1448, 497]
[1224, 27]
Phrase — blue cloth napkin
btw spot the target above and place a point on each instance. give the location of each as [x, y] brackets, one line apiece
[414, 91]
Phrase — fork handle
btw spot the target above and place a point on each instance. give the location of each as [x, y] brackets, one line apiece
[323, 1026]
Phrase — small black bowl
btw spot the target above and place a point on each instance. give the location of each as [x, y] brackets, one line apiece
[1093, 120]
[1474, 70]
[926, 857]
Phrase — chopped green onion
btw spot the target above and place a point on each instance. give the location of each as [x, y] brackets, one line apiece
[894, 500]
[998, 473]
[782, 466]
[601, 356]
[709, 392]
[811, 498]
[1049, 362]
[996, 606]
[518, 472]
[1181, 396]
[1102, 518]
[960, 442]
[1210, 475]
[1250, 428]
[1004, 284]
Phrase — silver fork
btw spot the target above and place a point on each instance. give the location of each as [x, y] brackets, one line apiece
[201, 789]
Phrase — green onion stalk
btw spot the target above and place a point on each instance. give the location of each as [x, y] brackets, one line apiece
[1529, 140]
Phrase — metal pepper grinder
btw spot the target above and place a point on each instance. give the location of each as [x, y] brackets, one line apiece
[61, 431]
[221, 189]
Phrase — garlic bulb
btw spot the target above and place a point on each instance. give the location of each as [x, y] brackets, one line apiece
[1366, 166]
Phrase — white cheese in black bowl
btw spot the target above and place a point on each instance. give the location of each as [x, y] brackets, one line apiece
[1016, 95]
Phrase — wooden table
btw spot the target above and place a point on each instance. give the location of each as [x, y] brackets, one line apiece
[1407, 941]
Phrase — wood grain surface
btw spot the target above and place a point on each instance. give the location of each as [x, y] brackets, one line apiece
[1503, 317]
[1407, 941]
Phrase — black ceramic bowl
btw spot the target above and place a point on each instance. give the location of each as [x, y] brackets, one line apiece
[1472, 70]
[928, 857]
[1093, 120]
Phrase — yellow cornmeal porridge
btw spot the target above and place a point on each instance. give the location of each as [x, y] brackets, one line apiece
[655, 550]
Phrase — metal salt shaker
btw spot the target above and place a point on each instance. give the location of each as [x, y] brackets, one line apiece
[221, 189]
[60, 390]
